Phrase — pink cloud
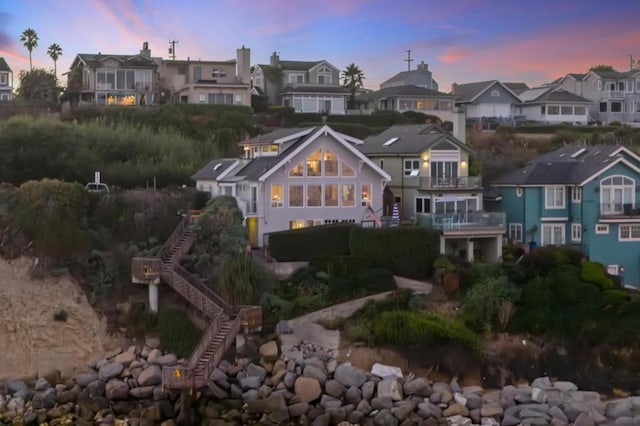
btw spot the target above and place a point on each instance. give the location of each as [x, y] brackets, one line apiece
[454, 54]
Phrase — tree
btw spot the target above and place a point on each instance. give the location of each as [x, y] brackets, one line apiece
[352, 79]
[55, 51]
[601, 67]
[29, 39]
[36, 84]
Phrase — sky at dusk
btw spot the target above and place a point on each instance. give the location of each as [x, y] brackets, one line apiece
[461, 40]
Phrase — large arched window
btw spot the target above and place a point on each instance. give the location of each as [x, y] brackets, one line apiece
[615, 193]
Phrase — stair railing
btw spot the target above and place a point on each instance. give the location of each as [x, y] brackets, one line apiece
[175, 236]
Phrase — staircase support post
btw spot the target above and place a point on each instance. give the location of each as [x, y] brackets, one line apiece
[153, 298]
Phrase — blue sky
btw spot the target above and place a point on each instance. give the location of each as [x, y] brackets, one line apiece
[461, 40]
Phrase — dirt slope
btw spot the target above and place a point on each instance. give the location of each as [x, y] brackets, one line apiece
[31, 341]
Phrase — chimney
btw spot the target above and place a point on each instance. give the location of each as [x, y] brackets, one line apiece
[423, 67]
[454, 89]
[243, 64]
[275, 59]
[459, 124]
[145, 50]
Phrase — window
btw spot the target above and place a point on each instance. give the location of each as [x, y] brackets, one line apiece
[296, 195]
[331, 195]
[603, 107]
[554, 197]
[314, 163]
[599, 84]
[543, 110]
[576, 194]
[638, 105]
[296, 224]
[602, 228]
[576, 232]
[579, 110]
[296, 78]
[270, 149]
[629, 86]
[552, 234]
[638, 85]
[220, 99]
[3, 79]
[276, 195]
[297, 170]
[412, 167]
[553, 110]
[629, 232]
[347, 170]
[616, 106]
[348, 195]
[382, 164]
[218, 73]
[314, 195]
[423, 205]
[495, 93]
[566, 110]
[616, 194]
[515, 232]
[366, 194]
[330, 163]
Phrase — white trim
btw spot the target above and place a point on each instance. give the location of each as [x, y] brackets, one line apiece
[578, 227]
[517, 229]
[624, 240]
[604, 219]
[337, 136]
[554, 219]
[626, 151]
[576, 194]
[519, 191]
[323, 62]
[301, 133]
[551, 226]
[226, 171]
[604, 169]
[555, 188]
[604, 228]
[490, 85]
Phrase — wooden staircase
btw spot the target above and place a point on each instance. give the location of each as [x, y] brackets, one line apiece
[225, 320]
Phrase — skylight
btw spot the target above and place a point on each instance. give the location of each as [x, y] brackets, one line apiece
[578, 153]
[390, 141]
[217, 167]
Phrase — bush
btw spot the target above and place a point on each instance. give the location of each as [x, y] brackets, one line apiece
[340, 266]
[595, 273]
[307, 243]
[177, 333]
[486, 300]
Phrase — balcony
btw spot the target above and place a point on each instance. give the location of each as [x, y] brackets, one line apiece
[616, 211]
[613, 94]
[463, 223]
[459, 182]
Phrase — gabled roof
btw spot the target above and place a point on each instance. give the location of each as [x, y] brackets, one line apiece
[469, 92]
[3, 65]
[406, 90]
[517, 88]
[94, 60]
[576, 76]
[573, 165]
[278, 136]
[409, 139]
[213, 169]
[547, 94]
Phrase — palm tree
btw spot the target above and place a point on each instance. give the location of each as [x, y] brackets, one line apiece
[29, 39]
[55, 51]
[352, 79]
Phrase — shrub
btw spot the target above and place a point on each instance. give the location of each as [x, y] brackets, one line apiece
[307, 243]
[595, 273]
[177, 333]
[486, 299]
[239, 282]
[340, 266]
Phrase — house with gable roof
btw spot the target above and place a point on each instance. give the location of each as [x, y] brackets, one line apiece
[583, 196]
[430, 181]
[297, 177]
[306, 86]
[6, 81]
[488, 99]
[548, 104]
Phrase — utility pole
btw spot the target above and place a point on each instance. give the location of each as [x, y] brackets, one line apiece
[408, 60]
[172, 49]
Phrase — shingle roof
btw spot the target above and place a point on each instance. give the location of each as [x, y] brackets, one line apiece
[411, 140]
[275, 135]
[547, 94]
[321, 88]
[577, 76]
[3, 65]
[517, 88]
[137, 60]
[407, 90]
[468, 91]
[210, 171]
[558, 167]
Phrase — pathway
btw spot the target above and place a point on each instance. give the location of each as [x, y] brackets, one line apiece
[306, 328]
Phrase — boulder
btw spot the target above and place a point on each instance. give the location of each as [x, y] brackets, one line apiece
[168, 360]
[42, 385]
[116, 389]
[307, 389]
[268, 405]
[565, 386]
[419, 387]
[492, 409]
[14, 386]
[353, 395]
[152, 375]
[142, 392]
[250, 382]
[390, 388]
[125, 358]
[315, 373]
[403, 410]
[45, 399]
[298, 409]
[269, 350]
[349, 375]
[455, 410]
[254, 370]
[542, 383]
[110, 370]
[334, 388]
[384, 371]
[83, 379]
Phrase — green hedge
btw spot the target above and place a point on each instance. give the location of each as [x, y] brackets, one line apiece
[340, 266]
[407, 251]
[308, 243]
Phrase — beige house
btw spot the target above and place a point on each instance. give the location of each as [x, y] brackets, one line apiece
[208, 82]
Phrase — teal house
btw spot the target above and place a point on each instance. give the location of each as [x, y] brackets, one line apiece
[582, 196]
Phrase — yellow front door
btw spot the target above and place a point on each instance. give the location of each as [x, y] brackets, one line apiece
[252, 228]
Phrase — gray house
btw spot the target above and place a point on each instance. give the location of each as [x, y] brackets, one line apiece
[6, 81]
[614, 96]
[307, 86]
[487, 99]
[410, 98]
[294, 178]
[420, 77]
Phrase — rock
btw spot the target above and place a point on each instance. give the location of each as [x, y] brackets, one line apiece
[538, 395]
[168, 360]
[403, 410]
[250, 395]
[307, 389]
[455, 410]
[142, 392]
[509, 420]
[458, 420]
[364, 407]
[419, 386]
[110, 354]
[109, 371]
[565, 386]
[620, 408]
[328, 401]
[152, 375]
[353, 396]
[250, 382]
[16, 405]
[475, 402]
[116, 389]
[583, 419]
[337, 414]
[153, 355]
[152, 342]
[492, 409]
[368, 389]
[385, 403]
[83, 379]
[42, 385]
[355, 416]
[390, 388]
[290, 379]
[96, 388]
[322, 420]
[125, 358]
[384, 371]
[268, 405]
[256, 371]
[269, 350]
[529, 413]
[542, 383]
[557, 413]
[46, 399]
[460, 399]
[334, 388]
[13, 386]
[298, 409]
[315, 373]
[67, 396]
[385, 418]
[349, 375]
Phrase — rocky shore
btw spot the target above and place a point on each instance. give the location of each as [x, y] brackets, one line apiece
[303, 384]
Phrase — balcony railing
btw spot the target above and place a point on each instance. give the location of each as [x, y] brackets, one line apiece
[459, 182]
[470, 221]
[613, 210]
[613, 94]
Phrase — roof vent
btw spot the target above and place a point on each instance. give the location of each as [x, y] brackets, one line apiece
[562, 155]
[217, 167]
[579, 152]
[390, 141]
